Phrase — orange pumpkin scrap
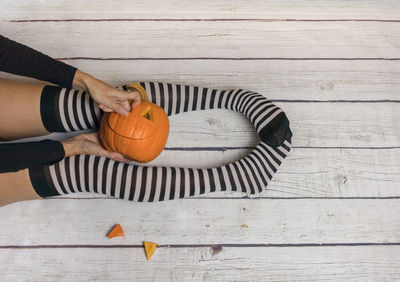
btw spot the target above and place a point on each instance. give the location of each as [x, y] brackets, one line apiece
[149, 247]
[140, 136]
[117, 231]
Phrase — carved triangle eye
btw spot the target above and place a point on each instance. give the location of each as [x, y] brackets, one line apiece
[148, 113]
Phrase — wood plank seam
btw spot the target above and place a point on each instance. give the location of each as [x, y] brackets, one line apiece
[251, 198]
[178, 246]
[228, 59]
[200, 20]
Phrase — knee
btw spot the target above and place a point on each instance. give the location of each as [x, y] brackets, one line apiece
[6, 136]
[3, 138]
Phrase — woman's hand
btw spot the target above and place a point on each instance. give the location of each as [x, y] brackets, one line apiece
[110, 99]
[89, 144]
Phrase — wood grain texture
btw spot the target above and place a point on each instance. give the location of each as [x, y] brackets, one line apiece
[236, 9]
[332, 211]
[332, 125]
[332, 159]
[288, 80]
[210, 39]
[379, 263]
[313, 172]
[307, 172]
[313, 125]
[195, 221]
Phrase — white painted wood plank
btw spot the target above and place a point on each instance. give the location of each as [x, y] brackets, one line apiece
[312, 172]
[306, 172]
[313, 124]
[320, 80]
[195, 221]
[309, 172]
[361, 125]
[321, 173]
[377, 263]
[295, 80]
[210, 39]
[284, 9]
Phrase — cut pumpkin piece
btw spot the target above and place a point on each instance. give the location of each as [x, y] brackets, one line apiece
[149, 247]
[117, 231]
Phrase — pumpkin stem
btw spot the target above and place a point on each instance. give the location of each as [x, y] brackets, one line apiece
[137, 87]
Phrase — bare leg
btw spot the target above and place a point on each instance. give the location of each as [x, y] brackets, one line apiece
[20, 110]
[19, 118]
[15, 187]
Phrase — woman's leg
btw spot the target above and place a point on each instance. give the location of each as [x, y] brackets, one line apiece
[15, 187]
[20, 110]
[66, 110]
[28, 109]
[138, 183]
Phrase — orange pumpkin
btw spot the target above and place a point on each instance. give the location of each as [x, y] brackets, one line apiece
[140, 136]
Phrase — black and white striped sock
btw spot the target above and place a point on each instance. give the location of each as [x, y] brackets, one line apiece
[93, 174]
[269, 120]
[65, 110]
[140, 183]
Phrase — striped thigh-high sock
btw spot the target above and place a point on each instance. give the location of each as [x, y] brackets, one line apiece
[147, 184]
[65, 110]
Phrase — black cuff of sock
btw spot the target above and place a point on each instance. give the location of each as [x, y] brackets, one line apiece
[49, 109]
[41, 181]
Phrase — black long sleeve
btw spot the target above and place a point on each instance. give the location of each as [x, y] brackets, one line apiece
[17, 156]
[19, 59]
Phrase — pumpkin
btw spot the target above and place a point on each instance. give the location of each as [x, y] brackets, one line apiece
[140, 136]
[117, 231]
[149, 248]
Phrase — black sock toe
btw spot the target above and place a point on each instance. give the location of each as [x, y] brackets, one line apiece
[277, 131]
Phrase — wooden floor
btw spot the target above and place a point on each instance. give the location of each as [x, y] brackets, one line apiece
[333, 209]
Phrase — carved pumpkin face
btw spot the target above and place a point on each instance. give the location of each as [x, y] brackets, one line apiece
[140, 136]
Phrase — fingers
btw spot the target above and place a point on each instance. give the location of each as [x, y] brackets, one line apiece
[120, 101]
[132, 95]
[135, 103]
[105, 153]
[129, 98]
[111, 99]
[113, 155]
[119, 108]
[92, 146]
[135, 98]
[105, 108]
[119, 158]
[126, 105]
[122, 109]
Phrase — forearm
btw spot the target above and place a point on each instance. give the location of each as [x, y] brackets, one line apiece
[19, 59]
[17, 156]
